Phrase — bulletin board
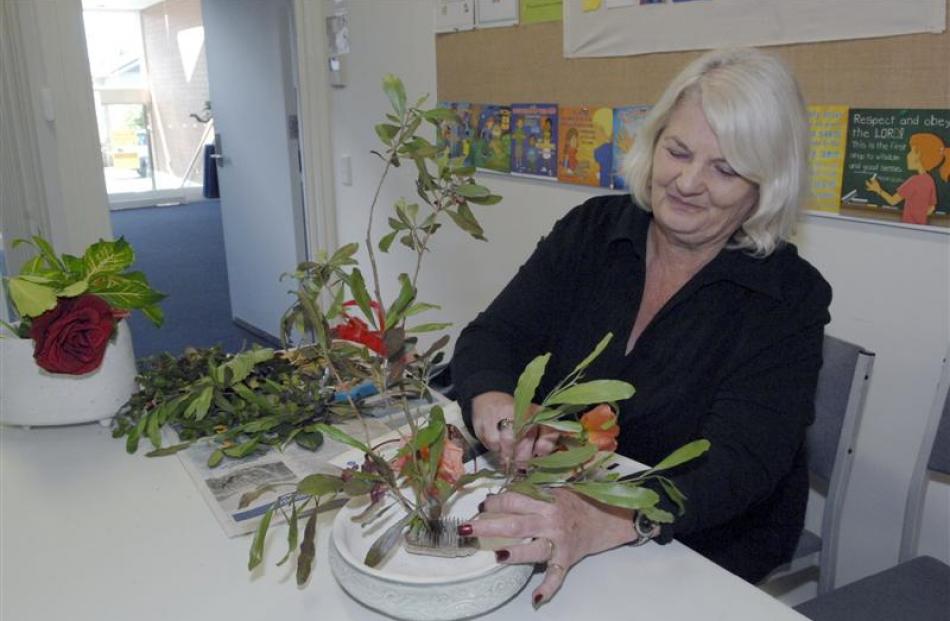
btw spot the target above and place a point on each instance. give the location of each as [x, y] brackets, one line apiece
[526, 63]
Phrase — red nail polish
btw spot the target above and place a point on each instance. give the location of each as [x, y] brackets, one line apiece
[465, 530]
[502, 555]
[537, 600]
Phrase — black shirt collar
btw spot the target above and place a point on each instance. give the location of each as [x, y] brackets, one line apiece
[757, 274]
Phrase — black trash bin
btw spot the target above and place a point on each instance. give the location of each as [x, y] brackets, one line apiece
[210, 187]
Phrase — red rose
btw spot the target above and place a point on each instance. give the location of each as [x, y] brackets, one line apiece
[72, 337]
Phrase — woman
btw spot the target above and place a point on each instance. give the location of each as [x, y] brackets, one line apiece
[719, 326]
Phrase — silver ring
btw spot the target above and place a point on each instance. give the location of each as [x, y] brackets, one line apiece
[556, 567]
[505, 423]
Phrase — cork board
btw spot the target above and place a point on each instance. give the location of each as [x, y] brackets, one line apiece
[525, 63]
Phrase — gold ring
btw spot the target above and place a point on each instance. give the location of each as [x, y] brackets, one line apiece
[556, 567]
[552, 548]
[505, 423]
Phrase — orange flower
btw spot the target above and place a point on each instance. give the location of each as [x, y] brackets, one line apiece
[601, 426]
[450, 469]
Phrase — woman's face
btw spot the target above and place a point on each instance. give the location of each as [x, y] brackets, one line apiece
[913, 159]
[699, 201]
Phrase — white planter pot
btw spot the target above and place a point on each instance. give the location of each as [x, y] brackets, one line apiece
[30, 396]
[422, 588]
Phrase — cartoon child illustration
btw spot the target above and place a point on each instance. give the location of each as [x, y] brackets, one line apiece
[919, 193]
[532, 154]
[570, 150]
[604, 152]
[517, 139]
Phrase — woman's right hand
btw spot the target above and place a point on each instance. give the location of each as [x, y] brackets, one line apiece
[489, 411]
[873, 185]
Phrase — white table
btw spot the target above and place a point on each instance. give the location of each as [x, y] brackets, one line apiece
[88, 532]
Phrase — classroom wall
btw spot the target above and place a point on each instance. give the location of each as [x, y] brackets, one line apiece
[891, 285]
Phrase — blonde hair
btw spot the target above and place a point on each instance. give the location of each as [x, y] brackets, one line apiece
[754, 106]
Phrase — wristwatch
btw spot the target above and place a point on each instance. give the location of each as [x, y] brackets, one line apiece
[644, 527]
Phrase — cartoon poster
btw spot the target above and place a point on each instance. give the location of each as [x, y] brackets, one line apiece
[491, 141]
[626, 122]
[896, 166]
[829, 127]
[585, 145]
[456, 134]
[534, 140]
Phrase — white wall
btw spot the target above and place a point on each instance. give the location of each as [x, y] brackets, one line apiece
[891, 286]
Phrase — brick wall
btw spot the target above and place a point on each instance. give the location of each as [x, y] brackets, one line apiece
[174, 133]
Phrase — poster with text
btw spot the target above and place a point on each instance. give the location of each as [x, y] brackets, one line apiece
[829, 128]
[491, 142]
[896, 166]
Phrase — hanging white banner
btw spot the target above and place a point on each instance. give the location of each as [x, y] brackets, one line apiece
[632, 27]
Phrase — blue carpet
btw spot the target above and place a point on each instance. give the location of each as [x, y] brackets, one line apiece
[181, 251]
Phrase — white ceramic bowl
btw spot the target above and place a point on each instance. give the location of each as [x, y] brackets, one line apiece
[31, 396]
[423, 588]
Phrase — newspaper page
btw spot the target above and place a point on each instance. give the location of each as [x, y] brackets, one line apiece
[223, 486]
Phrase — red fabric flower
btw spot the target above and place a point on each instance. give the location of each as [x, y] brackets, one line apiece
[601, 426]
[356, 330]
[72, 337]
[450, 469]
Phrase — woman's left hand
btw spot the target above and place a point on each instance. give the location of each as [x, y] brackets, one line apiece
[561, 532]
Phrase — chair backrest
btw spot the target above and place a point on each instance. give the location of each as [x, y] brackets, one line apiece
[830, 441]
[934, 456]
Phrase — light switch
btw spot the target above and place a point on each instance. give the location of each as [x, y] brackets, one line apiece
[346, 170]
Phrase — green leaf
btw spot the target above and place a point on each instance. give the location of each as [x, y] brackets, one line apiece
[291, 534]
[107, 257]
[465, 220]
[396, 92]
[77, 288]
[420, 307]
[385, 543]
[361, 295]
[473, 190]
[47, 252]
[307, 549]
[215, 458]
[674, 494]
[320, 485]
[387, 240]
[386, 132]
[74, 265]
[565, 460]
[432, 432]
[198, 407]
[598, 349]
[340, 436]
[152, 427]
[624, 495]
[241, 450]
[596, 391]
[168, 450]
[440, 114]
[491, 199]
[124, 291]
[154, 314]
[242, 364]
[527, 386]
[257, 546]
[31, 299]
[682, 455]
[531, 491]
[658, 515]
[406, 294]
[428, 327]
[310, 441]
[344, 255]
[566, 426]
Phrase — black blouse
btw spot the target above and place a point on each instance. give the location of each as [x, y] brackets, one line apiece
[733, 357]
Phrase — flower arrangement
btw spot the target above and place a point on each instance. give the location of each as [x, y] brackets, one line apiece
[70, 305]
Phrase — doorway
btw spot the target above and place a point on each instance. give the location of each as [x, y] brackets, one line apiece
[183, 75]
